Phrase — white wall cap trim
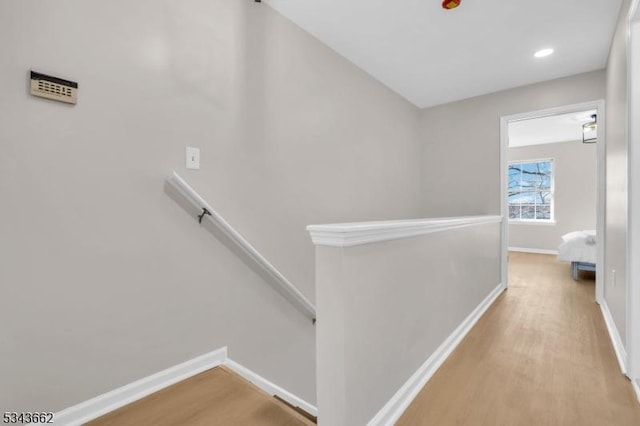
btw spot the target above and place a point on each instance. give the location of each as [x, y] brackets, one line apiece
[359, 233]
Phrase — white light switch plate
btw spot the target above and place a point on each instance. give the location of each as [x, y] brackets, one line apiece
[193, 158]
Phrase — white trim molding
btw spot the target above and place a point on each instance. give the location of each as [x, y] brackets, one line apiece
[117, 398]
[358, 233]
[533, 250]
[107, 402]
[616, 341]
[532, 222]
[271, 388]
[394, 408]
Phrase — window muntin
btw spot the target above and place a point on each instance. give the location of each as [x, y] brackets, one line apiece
[531, 190]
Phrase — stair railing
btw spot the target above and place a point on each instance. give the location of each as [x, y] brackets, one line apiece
[284, 286]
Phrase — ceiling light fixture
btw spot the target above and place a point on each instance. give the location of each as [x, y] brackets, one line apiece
[450, 4]
[582, 118]
[542, 53]
[590, 130]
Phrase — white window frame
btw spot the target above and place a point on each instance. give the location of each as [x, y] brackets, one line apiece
[552, 189]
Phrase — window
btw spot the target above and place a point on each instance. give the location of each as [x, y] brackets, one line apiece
[531, 191]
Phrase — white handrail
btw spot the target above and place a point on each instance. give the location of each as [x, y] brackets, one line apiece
[287, 289]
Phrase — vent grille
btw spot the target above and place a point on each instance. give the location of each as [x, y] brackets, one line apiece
[53, 88]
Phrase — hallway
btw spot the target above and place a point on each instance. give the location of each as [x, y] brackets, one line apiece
[541, 355]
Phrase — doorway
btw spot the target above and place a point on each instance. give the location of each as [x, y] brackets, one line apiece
[542, 211]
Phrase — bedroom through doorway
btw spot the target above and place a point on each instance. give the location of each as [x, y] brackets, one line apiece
[551, 183]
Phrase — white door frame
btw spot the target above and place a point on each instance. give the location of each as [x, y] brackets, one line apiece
[633, 179]
[598, 105]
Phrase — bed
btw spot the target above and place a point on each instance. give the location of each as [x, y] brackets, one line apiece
[579, 248]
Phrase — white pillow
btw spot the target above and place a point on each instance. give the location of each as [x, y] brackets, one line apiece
[573, 235]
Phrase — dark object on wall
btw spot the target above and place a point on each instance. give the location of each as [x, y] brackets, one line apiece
[204, 212]
[54, 88]
[590, 130]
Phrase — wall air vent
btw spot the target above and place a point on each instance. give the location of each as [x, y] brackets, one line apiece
[54, 88]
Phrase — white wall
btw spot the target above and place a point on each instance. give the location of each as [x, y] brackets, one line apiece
[461, 156]
[104, 278]
[633, 314]
[98, 261]
[615, 293]
[385, 307]
[574, 193]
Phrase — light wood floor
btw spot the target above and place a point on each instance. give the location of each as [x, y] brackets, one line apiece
[541, 355]
[215, 397]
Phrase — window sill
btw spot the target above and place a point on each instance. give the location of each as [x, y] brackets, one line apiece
[532, 222]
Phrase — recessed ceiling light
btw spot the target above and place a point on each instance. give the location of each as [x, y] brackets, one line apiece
[542, 53]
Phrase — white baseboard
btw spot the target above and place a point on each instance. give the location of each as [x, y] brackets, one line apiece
[636, 387]
[533, 250]
[110, 401]
[271, 388]
[618, 347]
[107, 402]
[393, 409]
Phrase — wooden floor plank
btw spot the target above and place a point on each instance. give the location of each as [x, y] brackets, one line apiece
[541, 355]
[214, 397]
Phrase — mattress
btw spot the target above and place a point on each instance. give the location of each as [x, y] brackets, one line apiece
[578, 246]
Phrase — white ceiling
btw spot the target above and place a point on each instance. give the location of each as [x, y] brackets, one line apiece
[552, 129]
[432, 56]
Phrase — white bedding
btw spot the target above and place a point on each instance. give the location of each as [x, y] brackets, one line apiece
[578, 246]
